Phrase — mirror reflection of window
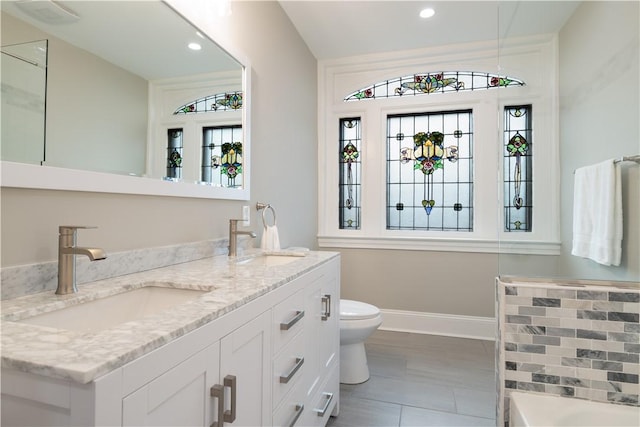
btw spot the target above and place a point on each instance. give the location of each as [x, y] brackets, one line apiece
[174, 153]
[222, 155]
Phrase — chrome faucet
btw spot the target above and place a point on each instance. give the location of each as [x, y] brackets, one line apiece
[233, 236]
[67, 251]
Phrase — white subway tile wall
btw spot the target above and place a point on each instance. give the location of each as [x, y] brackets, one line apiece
[573, 341]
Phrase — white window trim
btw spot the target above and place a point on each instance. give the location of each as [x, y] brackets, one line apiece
[518, 59]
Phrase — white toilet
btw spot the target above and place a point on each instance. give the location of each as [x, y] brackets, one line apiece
[358, 320]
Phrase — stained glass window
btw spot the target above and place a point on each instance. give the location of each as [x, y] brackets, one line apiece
[222, 155]
[430, 171]
[174, 153]
[429, 83]
[518, 178]
[350, 165]
[218, 102]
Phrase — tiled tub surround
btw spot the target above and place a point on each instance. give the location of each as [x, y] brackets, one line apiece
[84, 356]
[578, 340]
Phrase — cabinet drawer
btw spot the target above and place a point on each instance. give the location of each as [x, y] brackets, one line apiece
[325, 401]
[288, 320]
[288, 368]
[292, 410]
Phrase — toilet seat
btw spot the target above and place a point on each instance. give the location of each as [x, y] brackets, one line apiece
[357, 310]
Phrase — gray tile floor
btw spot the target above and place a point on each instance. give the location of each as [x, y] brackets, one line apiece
[422, 380]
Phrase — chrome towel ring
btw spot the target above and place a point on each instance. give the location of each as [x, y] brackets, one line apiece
[264, 207]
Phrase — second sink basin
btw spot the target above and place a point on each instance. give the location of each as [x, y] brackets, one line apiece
[104, 313]
[269, 260]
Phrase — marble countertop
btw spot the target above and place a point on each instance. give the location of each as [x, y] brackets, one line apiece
[83, 356]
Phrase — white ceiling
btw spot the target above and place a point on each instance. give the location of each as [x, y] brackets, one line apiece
[334, 29]
[149, 38]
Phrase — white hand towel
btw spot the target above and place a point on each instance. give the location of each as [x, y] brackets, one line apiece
[597, 213]
[270, 239]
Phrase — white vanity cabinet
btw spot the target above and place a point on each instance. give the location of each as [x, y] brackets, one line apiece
[274, 359]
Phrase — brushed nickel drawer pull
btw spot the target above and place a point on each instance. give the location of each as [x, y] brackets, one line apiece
[299, 409]
[326, 301]
[321, 412]
[285, 378]
[286, 326]
[230, 415]
[217, 392]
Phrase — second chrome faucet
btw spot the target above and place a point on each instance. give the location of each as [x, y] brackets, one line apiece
[233, 236]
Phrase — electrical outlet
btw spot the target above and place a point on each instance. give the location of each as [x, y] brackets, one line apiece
[246, 216]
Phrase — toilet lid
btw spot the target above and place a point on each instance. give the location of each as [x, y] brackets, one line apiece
[355, 310]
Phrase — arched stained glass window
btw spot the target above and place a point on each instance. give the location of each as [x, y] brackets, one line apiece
[428, 83]
[229, 101]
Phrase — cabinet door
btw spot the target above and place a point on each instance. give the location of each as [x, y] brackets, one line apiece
[330, 316]
[246, 354]
[179, 397]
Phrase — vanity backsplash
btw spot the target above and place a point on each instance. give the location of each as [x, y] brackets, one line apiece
[18, 281]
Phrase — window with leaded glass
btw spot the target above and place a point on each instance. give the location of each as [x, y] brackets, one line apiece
[430, 171]
[518, 178]
[222, 155]
[445, 166]
[429, 83]
[174, 153]
[350, 165]
[218, 102]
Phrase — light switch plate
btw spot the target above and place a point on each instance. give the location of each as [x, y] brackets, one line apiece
[246, 216]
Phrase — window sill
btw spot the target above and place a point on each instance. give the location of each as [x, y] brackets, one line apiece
[442, 245]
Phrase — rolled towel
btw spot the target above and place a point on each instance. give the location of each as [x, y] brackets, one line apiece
[270, 239]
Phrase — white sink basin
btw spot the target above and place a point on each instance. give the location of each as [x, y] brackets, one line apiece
[104, 313]
[269, 260]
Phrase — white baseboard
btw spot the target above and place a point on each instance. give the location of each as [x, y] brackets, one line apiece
[483, 328]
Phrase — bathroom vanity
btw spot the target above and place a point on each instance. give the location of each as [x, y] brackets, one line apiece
[258, 344]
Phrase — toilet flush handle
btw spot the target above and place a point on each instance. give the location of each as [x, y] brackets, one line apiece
[326, 302]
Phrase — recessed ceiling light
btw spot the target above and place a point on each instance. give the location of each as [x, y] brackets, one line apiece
[427, 13]
[194, 46]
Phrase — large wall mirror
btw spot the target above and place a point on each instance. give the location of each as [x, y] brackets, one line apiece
[125, 97]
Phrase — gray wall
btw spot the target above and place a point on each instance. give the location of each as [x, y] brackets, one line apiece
[599, 110]
[600, 119]
[284, 172]
[433, 282]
